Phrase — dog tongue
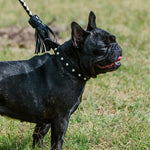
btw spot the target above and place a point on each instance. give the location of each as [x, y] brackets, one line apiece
[119, 58]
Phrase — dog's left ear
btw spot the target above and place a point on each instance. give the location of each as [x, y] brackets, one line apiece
[78, 35]
[92, 21]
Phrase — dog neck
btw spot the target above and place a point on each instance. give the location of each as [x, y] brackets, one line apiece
[69, 59]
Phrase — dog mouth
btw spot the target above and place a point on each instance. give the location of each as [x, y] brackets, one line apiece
[115, 64]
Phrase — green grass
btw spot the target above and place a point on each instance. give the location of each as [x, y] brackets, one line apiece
[115, 111]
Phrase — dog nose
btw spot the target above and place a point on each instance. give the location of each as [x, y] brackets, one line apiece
[121, 53]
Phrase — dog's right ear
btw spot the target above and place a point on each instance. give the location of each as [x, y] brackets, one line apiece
[78, 35]
[92, 21]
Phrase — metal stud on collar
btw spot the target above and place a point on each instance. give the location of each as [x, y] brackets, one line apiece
[61, 58]
[85, 78]
[57, 53]
[79, 75]
[67, 64]
[73, 70]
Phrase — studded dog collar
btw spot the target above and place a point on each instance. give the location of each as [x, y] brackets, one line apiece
[68, 65]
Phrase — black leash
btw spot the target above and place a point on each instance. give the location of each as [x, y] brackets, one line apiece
[44, 42]
[42, 32]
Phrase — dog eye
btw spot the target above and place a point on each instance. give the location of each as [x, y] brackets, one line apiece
[103, 48]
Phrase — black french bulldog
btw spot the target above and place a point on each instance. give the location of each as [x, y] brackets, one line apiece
[47, 89]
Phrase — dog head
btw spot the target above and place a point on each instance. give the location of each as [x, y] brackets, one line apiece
[98, 49]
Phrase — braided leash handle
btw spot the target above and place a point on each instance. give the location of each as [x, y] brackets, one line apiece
[25, 7]
[42, 32]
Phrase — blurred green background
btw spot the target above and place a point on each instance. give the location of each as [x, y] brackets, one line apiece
[115, 111]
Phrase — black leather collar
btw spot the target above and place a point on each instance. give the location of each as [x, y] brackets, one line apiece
[67, 64]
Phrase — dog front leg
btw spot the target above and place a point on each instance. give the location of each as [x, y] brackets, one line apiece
[58, 130]
[39, 133]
